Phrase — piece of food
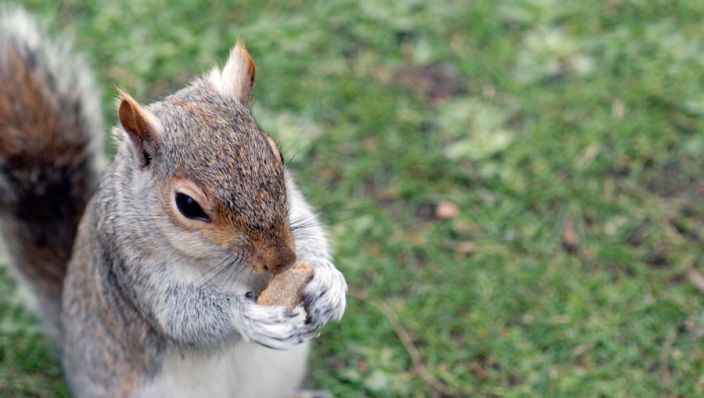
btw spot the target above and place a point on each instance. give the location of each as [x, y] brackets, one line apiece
[286, 288]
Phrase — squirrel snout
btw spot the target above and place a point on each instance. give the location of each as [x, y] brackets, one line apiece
[279, 259]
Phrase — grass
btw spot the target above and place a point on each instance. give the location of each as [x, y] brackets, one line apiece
[567, 133]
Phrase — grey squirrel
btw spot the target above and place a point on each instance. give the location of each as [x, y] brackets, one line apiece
[147, 276]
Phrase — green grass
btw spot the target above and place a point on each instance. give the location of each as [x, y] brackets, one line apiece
[524, 114]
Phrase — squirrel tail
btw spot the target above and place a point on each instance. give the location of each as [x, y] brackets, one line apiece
[50, 129]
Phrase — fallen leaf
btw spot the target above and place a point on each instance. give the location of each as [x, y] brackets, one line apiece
[446, 210]
[465, 247]
[618, 109]
[362, 366]
[478, 370]
[570, 242]
[697, 279]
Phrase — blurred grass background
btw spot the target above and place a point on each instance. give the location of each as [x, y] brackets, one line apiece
[519, 181]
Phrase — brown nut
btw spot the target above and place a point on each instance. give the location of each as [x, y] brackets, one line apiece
[286, 288]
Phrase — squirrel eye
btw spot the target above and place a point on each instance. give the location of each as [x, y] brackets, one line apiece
[190, 208]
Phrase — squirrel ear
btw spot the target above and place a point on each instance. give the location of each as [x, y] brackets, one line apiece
[236, 79]
[141, 126]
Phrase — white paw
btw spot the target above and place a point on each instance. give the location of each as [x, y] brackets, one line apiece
[324, 297]
[275, 327]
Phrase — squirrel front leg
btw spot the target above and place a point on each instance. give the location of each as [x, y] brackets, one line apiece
[324, 296]
[193, 315]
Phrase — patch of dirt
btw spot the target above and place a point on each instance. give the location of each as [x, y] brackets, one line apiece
[425, 212]
[681, 184]
[673, 180]
[437, 81]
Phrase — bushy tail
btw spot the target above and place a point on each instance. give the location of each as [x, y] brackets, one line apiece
[50, 130]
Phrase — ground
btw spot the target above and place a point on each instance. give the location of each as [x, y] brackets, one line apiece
[514, 187]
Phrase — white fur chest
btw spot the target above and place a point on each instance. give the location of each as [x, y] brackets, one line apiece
[242, 370]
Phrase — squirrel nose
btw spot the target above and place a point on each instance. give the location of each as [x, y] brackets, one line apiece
[280, 259]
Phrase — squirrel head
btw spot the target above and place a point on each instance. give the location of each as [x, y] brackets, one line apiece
[202, 172]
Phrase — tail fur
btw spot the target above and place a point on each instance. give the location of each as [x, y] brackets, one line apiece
[49, 144]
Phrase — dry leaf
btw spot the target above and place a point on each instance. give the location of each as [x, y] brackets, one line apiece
[569, 238]
[465, 247]
[445, 210]
[697, 279]
[618, 109]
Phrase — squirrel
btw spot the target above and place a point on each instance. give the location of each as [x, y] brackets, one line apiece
[147, 276]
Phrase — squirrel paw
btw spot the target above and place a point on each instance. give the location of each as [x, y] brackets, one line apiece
[274, 327]
[324, 297]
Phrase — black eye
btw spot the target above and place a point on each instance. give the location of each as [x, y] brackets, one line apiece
[190, 208]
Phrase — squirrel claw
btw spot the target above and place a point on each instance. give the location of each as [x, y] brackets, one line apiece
[324, 298]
